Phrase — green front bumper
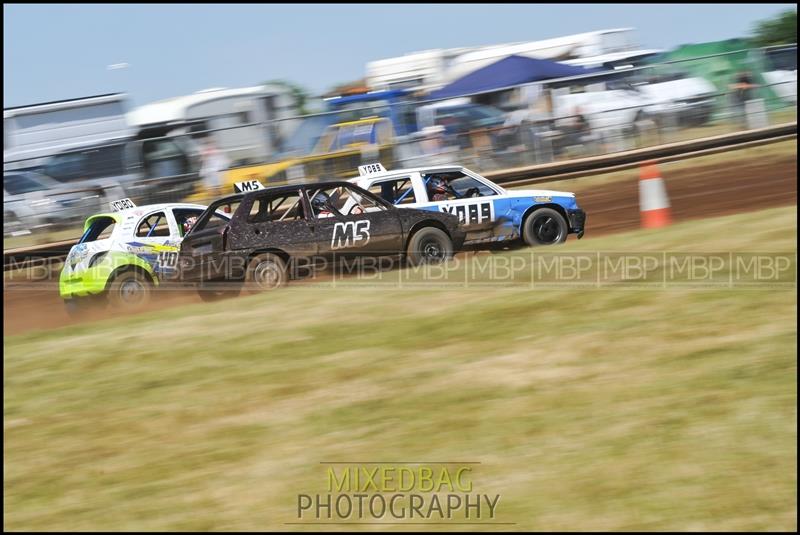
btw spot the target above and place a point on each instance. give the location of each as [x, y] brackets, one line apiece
[91, 281]
[94, 280]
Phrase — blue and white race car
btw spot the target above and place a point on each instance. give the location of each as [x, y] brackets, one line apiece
[487, 212]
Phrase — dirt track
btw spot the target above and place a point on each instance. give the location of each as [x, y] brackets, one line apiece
[695, 193]
[698, 192]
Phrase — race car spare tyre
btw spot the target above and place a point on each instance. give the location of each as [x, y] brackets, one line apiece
[545, 226]
[429, 245]
[266, 271]
[130, 290]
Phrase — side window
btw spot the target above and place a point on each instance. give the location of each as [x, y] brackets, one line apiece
[344, 200]
[186, 218]
[466, 186]
[153, 226]
[399, 191]
[164, 157]
[286, 207]
[214, 220]
[105, 161]
[66, 167]
[217, 215]
[451, 186]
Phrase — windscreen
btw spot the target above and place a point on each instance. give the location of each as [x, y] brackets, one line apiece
[213, 216]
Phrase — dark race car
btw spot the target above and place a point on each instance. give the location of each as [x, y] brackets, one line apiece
[273, 230]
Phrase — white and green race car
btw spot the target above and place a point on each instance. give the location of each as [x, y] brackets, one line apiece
[123, 254]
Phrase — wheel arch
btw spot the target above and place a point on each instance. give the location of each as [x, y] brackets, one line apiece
[419, 225]
[134, 268]
[557, 207]
[280, 253]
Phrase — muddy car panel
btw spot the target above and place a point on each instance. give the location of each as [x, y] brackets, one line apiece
[222, 251]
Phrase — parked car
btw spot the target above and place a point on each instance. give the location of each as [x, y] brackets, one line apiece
[336, 150]
[145, 170]
[32, 200]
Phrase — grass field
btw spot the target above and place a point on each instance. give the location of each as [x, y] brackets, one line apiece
[588, 409]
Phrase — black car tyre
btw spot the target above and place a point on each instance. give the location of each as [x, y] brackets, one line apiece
[429, 245]
[211, 292]
[545, 226]
[266, 271]
[78, 307]
[130, 290]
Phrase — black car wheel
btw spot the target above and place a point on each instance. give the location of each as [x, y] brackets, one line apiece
[545, 226]
[130, 290]
[266, 271]
[210, 292]
[429, 245]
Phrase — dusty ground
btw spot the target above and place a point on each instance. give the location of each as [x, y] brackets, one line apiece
[703, 191]
[695, 193]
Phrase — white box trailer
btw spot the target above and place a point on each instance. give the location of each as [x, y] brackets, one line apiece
[33, 133]
[432, 69]
[243, 122]
[418, 70]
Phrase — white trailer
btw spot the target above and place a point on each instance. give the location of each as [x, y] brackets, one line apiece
[431, 69]
[241, 121]
[33, 133]
[418, 70]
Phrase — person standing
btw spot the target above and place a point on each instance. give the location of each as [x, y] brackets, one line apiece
[742, 89]
[213, 163]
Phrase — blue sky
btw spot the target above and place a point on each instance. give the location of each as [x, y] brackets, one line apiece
[53, 52]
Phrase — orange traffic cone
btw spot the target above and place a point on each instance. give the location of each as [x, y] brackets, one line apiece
[653, 200]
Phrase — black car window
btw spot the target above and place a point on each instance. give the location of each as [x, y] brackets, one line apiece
[211, 219]
[284, 207]
[343, 200]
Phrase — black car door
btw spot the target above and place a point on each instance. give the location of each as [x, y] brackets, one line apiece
[202, 251]
[350, 222]
[274, 220]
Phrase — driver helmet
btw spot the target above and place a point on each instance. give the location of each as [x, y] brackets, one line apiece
[320, 202]
[188, 224]
[437, 185]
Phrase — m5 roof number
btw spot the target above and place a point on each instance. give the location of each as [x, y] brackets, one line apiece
[247, 185]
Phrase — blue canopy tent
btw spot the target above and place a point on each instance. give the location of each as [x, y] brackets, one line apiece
[508, 72]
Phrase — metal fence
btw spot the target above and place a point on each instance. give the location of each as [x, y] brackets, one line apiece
[524, 137]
